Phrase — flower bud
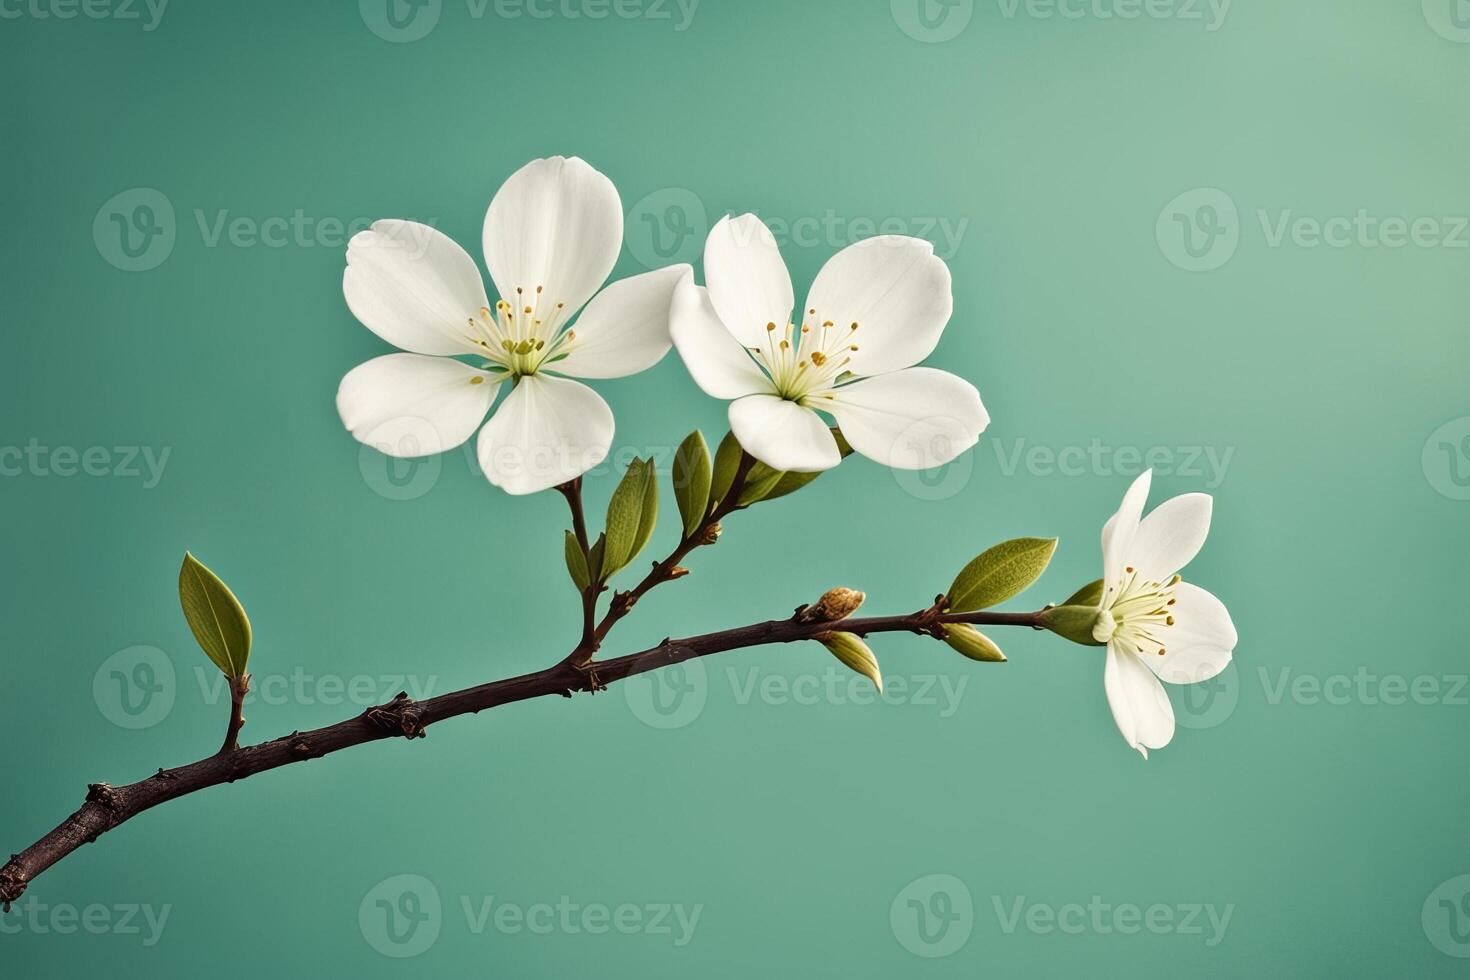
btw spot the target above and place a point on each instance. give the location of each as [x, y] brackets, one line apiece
[972, 643]
[834, 604]
[854, 653]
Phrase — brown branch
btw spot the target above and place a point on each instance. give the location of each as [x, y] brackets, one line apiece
[239, 687]
[107, 807]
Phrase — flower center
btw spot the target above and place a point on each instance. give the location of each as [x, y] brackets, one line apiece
[520, 337]
[1136, 612]
[805, 360]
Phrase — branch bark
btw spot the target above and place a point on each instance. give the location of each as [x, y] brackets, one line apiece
[107, 807]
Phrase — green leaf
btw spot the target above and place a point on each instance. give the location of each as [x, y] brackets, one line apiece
[1071, 622]
[759, 482]
[1000, 573]
[1089, 595]
[624, 519]
[595, 559]
[577, 563]
[215, 617]
[727, 461]
[648, 519]
[972, 643]
[855, 654]
[764, 483]
[692, 477]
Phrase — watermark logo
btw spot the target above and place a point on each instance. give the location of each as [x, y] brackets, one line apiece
[1446, 459]
[667, 227]
[932, 21]
[932, 439]
[401, 916]
[398, 477]
[135, 688]
[669, 698]
[400, 21]
[136, 229]
[933, 916]
[37, 918]
[1199, 230]
[147, 12]
[1208, 703]
[1450, 19]
[1446, 917]
[1100, 917]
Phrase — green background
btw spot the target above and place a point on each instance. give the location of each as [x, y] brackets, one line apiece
[1324, 821]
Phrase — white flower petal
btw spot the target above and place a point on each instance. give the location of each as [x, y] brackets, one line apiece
[911, 419]
[414, 287]
[783, 435]
[550, 430]
[715, 360]
[556, 223]
[625, 329]
[1138, 701]
[748, 282]
[1200, 643]
[409, 405]
[1170, 536]
[1119, 531]
[898, 292]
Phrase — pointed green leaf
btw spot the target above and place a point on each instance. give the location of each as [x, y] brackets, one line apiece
[1000, 573]
[692, 476]
[624, 518]
[648, 519]
[595, 559]
[1089, 595]
[727, 461]
[215, 617]
[972, 643]
[577, 563]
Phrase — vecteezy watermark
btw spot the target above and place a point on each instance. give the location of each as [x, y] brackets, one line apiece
[932, 916]
[1100, 917]
[936, 21]
[1446, 459]
[403, 916]
[670, 225]
[138, 687]
[1200, 230]
[1450, 19]
[144, 463]
[675, 696]
[34, 917]
[137, 229]
[403, 21]
[1363, 687]
[148, 13]
[1446, 917]
[1208, 464]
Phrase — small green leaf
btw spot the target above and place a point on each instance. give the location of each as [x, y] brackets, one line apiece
[624, 519]
[1089, 595]
[595, 559]
[577, 563]
[759, 482]
[727, 461]
[854, 653]
[648, 519]
[215, 617]
[973, 643]
[1000, 573]
[1071, 622]
[692, 476]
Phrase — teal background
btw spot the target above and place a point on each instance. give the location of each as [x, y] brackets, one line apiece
[1325, 823]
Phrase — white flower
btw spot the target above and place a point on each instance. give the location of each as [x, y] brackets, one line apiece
[552, 236]
[876, 309]
[1156, 626]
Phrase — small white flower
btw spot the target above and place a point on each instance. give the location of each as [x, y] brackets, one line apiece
[876, 309]
[552, 236]
[1156, 626]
